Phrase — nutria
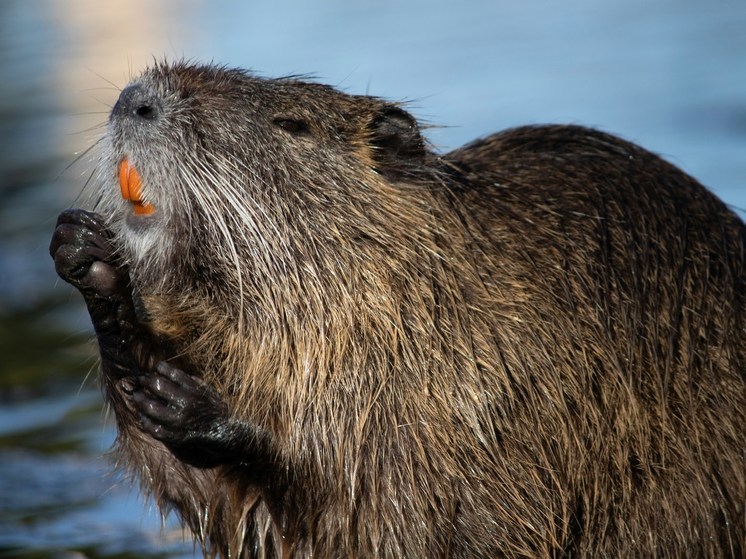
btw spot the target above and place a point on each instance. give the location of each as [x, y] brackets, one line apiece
[321, 338]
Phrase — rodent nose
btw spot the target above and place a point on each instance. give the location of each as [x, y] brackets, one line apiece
[139, 102]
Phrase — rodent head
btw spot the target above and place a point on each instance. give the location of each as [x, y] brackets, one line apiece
[250, 176]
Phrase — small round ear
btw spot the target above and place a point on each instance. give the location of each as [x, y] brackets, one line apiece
[396, 141]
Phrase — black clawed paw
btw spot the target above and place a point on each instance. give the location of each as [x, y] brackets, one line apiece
[175, 407]
[83, 253]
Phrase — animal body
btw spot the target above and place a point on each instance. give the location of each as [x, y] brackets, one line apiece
[320, 338]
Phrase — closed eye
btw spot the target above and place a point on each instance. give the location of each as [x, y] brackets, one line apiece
[292, 125]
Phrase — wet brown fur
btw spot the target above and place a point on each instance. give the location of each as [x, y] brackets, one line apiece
[532, 346]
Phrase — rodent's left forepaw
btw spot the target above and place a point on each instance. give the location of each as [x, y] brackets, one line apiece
[83, 253]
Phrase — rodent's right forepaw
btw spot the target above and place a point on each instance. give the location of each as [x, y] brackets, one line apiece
[188, 416]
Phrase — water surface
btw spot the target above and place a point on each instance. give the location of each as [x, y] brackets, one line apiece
[670, 75]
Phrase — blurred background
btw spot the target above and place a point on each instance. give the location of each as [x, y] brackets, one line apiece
[670, 75]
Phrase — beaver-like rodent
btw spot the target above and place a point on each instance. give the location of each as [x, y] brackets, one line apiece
[320, 338]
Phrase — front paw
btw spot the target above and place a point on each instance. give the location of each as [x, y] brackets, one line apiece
[186, 414]
[84, 254]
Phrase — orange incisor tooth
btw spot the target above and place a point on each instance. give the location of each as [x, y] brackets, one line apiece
[131, 187]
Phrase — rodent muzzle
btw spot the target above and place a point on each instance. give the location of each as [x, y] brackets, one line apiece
[138, 105]
[137, 102]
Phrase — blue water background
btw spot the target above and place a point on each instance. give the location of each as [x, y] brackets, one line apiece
[669, 74]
